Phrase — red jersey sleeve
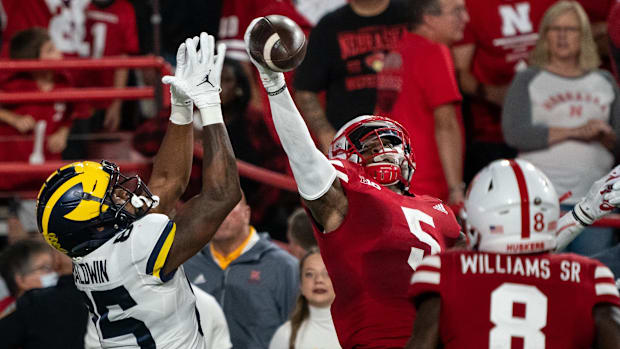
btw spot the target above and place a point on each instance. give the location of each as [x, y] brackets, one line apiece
[437, 75]
[346, 172]
[604, 285]
[426, 278]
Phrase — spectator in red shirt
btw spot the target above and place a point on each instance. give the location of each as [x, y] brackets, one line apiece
[110, 31]
[20, 119]
[418, 89]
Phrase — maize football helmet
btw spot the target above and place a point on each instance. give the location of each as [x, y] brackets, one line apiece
[511, 207]
[84, 204]
[392, 161]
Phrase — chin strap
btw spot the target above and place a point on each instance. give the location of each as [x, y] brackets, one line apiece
[384, 173]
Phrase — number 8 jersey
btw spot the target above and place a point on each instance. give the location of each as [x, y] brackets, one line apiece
[133, 305]
[515, 301]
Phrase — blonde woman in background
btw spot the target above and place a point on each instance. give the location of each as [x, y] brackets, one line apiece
[311, 324]
[563, 114]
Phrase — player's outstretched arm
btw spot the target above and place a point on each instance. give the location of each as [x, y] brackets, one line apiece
[173, 162]
[603, 197]
[607, 323]
[314, 174]
[200, 217]
[426, 327]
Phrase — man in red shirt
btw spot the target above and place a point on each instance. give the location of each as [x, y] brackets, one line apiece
[419, 90]
[496, 44]
[371, 231]
[518, 294]
[110, 31]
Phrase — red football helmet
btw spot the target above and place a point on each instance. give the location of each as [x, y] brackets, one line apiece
[381, 145]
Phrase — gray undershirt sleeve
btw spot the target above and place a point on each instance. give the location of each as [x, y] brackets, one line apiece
[614, 110]
[517, 127]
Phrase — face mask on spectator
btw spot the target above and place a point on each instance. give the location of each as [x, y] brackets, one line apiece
[49, 279]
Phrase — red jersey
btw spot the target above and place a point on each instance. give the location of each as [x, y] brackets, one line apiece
[56, 115]
[110, 31]
[505, 301]
[504, 32]
[424, 74]
[370, 258]
[237, 15]
[64, 20]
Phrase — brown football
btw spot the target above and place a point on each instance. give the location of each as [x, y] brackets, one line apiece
[277, 43]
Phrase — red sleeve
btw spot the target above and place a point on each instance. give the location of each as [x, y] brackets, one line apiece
[346, 171]
[436, 73]
[427, 277]
[605, 289]
[131, 30]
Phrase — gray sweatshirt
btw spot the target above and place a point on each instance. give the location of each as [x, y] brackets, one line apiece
[538, 100]
[257, 291]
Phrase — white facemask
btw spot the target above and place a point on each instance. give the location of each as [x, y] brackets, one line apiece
[49, 279]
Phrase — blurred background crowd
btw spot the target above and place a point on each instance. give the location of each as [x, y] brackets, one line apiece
[471, 81]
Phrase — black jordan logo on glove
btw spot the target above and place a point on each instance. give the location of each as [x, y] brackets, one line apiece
[206, 80]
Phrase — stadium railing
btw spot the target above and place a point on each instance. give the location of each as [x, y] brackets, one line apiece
[24, 180]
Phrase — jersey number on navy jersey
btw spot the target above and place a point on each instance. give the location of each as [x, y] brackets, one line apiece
[110, 329]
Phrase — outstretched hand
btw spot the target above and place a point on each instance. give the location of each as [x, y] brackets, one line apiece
[602, 198]
[272, 81]
[198, 72]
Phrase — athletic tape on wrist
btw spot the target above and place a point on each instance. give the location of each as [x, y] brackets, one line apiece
[181, 114]
[211, 115]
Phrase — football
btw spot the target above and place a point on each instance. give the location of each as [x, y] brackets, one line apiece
[277, 43]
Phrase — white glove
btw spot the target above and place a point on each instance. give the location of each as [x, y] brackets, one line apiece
[181, 104]
[200, 78]
[603, 197]
[273, 82]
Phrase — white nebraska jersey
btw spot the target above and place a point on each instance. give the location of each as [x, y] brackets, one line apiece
[131, 303]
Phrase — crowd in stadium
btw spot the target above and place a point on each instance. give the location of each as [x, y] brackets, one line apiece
[434, 174]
